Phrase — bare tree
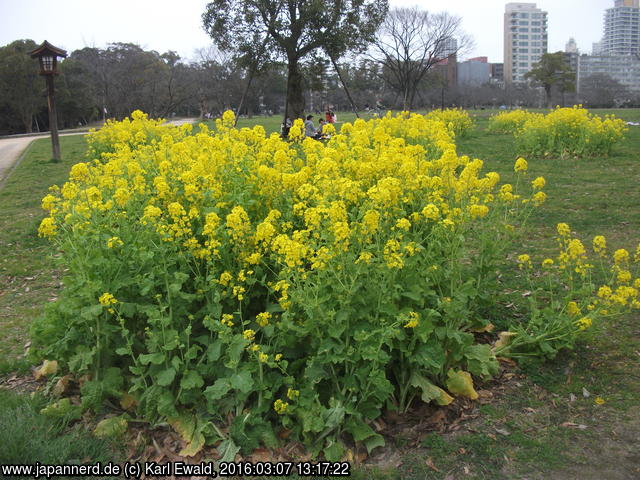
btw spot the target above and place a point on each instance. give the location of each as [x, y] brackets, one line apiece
[410, 42]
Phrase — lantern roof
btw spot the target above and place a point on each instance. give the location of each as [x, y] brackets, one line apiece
[47, 49]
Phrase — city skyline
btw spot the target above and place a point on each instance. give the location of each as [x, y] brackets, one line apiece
[159, 25]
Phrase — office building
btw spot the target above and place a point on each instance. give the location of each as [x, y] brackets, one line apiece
[474, 72]
[525, 39]
[623, 68]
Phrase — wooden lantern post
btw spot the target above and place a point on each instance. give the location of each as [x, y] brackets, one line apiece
[48, 55]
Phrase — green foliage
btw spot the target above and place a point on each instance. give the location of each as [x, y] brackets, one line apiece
[233, 304]
[30, 437]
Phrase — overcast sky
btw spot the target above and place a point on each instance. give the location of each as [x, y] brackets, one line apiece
[176, 25]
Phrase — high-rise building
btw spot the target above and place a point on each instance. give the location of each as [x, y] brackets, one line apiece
[446, 48]
[571, 46]
[618, 54]
[525, 39]
[622, 29]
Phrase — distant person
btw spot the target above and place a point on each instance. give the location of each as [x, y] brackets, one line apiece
[320, 135]
[309, 127]
[285, 127]
[329, 116]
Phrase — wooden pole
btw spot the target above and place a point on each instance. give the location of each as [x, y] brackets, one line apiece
[53, 120]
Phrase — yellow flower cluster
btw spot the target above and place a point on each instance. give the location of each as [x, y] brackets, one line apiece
[107, 299]
[245, 207]
[511, 121]
[456, 120]
[562, 132]
[623, 290]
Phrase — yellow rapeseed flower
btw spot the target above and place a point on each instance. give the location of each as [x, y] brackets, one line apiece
[521, 165]
[107, 299]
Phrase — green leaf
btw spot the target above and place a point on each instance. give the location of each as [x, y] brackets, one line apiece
[153, 358]
[165, 377]
[166, 405]
[218, 390]
[461, 383]
[213, 351]
[359, 429]
[234, 351]
[113, 427]
[333, 416]
[481, 361]
[374, 441]
[62, 409]
[91, 312]
[430, 392]
[191, 379]
[242, 381]
[227, 450]
[334, 451]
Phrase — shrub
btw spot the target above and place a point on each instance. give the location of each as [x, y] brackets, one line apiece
[245, 289]
[569, 132]
[457, 120]
[564, 132]
[511, 122]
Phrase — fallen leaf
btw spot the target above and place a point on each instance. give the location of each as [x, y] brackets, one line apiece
[61, 385]
[113, 427]
[466, 470]
[128, 401]
[504, 338]
[572, 398]
[47, 368]
[461, 383]
[573, 425]
[502, 431]
[489, 327]
[432, 466]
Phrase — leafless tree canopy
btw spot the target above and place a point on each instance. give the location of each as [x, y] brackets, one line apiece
[410, 42]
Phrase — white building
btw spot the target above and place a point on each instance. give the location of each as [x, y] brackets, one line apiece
[618, 54]
[623, 68]
[571, 46]
[622, 29]
[525, 39]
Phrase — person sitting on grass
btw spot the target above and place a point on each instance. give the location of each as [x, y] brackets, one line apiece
[309, 127]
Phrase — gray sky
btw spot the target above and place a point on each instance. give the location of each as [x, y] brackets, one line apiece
[176, 25]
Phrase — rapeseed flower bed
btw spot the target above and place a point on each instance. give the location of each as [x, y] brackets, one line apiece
[456, 120]
[564, 132]
[248, 289]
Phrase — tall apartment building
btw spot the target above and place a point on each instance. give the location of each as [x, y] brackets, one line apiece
[448, 47]
[618, 54]
[622, 29]
[525, 39]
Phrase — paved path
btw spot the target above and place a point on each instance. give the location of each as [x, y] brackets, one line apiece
[12, 147]
[10, 150]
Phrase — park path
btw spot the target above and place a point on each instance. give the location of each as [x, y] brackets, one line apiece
[11, 148]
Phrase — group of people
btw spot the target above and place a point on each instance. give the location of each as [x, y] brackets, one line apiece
[310, 129]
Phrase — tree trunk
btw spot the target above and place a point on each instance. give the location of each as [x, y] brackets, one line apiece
[27, 121]
[244, 95]
[547, 90]
[295, 92]
[344, 85]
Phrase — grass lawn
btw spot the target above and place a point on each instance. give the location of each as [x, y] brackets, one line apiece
[537, 421]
